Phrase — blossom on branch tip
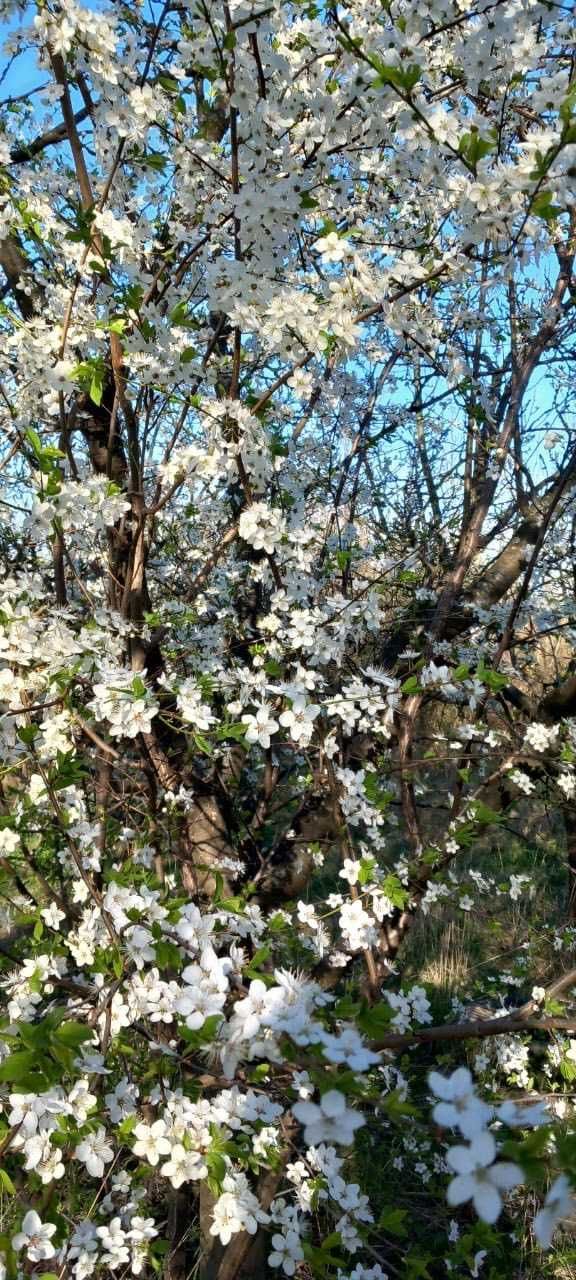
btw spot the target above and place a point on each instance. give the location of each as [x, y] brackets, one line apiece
[36, 1237]
[559, 1203]
[479, 1179]
[459, 1107]
[329, 1121]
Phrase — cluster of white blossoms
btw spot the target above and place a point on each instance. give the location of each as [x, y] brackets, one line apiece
[293, 710]
[261, 527]
[236, 1209]
[124, 702]
[179, 1141]
[479, 1174]
[192, 707]
[412, 1006]
[88, 507]
[274, 278]
[312, 1180]
[540, 737]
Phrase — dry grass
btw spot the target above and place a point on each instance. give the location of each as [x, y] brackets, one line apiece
[447, 957]
[562, 1269]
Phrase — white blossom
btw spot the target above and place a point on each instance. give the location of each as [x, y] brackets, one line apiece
[459, 1106]
[559, 1204]
[95, 1152]
[35, 1237]
[329, 1121]
[478, 1178]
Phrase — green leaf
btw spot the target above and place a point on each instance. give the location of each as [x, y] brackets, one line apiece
[63, 1056]
[255, 969]
[234, 731]
[346, 1008]
[394, 889]
[473, 147]
[374, 1020]
[216, 1165]
[416, 1267]
[34, 439]
[237, 904]
[411, 685]
[167, 954]
[260, 1073]
[18, 1064]
[205, 1035]
[484, 815]
[7, 1183]
[542, 207]
[72, 1034]
[366, 872]
[375, 794]
[396, 1108]
[169, 84]
[46, 454]
[333, 1241]
[91, 374]
[393, 1220]
[492, 679]
[277, 923]
[153, 160]
[182, 316]
[35, 1035]
[322, 1260]
[124, 1129]
[403, 78]
[567, 106]
[133, 297]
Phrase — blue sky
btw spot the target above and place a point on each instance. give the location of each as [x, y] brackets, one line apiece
[23, 74]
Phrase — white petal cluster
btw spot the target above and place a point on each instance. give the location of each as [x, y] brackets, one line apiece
[127, 710]
[480, 1176]
[261, 527]
[331, 1120]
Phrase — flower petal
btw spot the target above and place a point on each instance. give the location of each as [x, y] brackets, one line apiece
[460, 1189]
[440, 1085]
[461, 1082]
[506, 1175]
[333, 1103]
[483, 1150]
[446, 1115]
[487, 1202]
[306, 1112]
[460, 1159]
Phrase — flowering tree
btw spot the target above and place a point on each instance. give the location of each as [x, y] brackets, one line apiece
[287, 625]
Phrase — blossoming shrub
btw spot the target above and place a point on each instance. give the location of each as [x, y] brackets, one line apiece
[286, 636]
